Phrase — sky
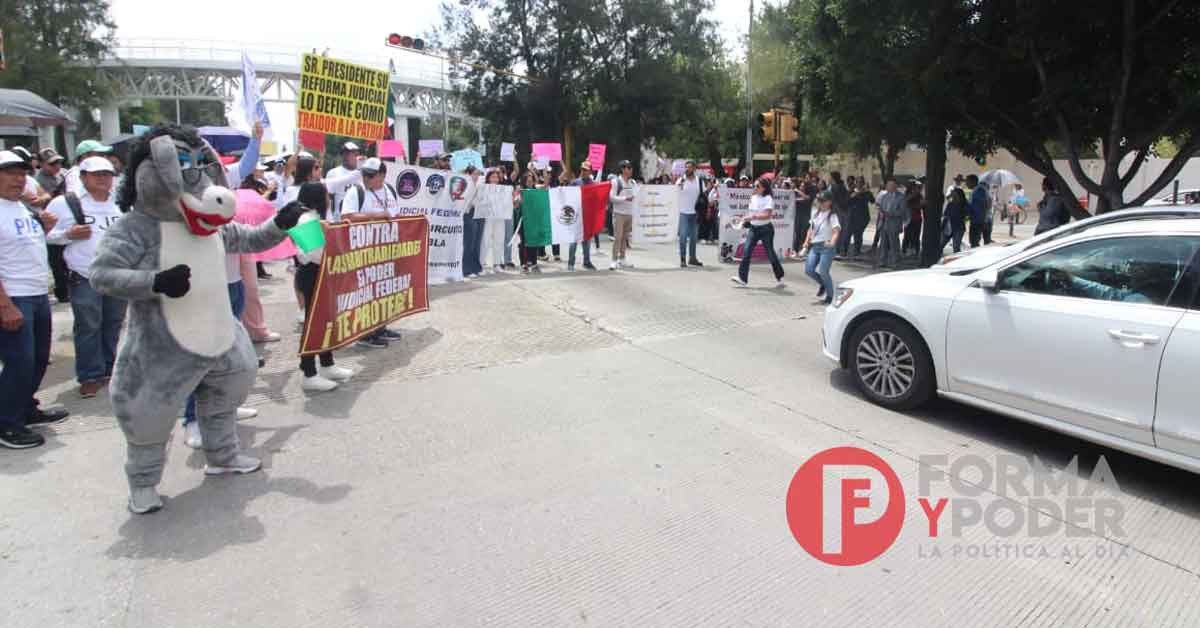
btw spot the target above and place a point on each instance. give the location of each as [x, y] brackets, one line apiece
[291, 23]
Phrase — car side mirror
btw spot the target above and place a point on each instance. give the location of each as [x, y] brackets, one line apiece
[989, 280]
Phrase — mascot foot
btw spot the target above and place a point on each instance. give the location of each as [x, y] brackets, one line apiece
[246, 413]
[316, 383]
[336, 373]
[238, 466]
[191, 435]
[144, 500]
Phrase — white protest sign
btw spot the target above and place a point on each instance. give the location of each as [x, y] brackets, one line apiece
[656, 214]
[734, 203]
[442, 197]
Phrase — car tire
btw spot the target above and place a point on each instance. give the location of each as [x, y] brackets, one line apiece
[891, 365]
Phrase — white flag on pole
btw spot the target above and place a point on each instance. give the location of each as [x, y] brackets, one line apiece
[254, 108]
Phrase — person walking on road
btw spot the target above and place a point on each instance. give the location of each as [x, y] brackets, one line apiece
[841, 205]
[824, 231]
[1052, 211]
[860, 216]
[954, 219]
[979, 203]
[916, 217]
[893, 210]
[622, 195]
[760, 229]
[692, 200]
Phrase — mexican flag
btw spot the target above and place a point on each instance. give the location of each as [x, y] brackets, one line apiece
[563, 215]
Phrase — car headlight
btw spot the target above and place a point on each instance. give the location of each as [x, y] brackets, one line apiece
[843, 295]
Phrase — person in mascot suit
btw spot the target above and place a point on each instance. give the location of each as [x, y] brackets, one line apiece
[166, 256]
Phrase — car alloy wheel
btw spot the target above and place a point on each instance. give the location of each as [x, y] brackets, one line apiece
[885, 364]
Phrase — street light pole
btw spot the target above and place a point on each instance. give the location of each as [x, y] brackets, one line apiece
[749, 116]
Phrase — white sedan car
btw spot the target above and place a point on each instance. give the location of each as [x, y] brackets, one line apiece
[1092, 329]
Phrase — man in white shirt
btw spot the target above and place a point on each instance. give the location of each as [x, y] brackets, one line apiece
[375, 199]
[691, 190]
[82, 221]
[622, 195]
[350, 153]
[24, 309]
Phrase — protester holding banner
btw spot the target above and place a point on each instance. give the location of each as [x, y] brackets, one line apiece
[313, 196]
[691, 200]
[494, 243]
[622, 195]
[375, 199]
[760, 229]
[528, 254]
[472, 264]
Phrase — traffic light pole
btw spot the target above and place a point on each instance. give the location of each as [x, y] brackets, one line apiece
[749, 107]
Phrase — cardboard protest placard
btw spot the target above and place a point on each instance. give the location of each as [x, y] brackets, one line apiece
[596, 156]
[508, 151]
[430, 148]
[548, 150]
[342, 98]
[392, 148]
[460, 159]
[372, 273]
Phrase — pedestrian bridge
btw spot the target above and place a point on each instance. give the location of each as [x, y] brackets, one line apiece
[179, 70]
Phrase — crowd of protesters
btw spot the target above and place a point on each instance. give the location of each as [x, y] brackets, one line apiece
[52, 218]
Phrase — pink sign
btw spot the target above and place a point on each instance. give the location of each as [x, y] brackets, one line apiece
[392, 148]
[549, 150]
[596, 156]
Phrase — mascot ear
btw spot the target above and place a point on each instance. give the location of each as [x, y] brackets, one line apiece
[166, 163]
[222, 179]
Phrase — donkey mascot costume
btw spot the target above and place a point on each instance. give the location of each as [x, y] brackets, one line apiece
[167, 258]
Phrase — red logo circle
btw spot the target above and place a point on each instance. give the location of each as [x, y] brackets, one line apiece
[845, 506]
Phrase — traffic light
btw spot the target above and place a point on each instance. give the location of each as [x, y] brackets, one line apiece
[766, 121]
[396, 40]
[789, 127]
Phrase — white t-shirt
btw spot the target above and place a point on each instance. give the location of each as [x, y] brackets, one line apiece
[383, 200]
[24, 270]
[79, 253]
[338, 190]
[760, 203]
[689, 192]
[823, 226]
[32, 187]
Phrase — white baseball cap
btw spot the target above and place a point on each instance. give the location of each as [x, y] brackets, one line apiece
[9, 159]
[371, 165]
[350, 146]
[96, 164]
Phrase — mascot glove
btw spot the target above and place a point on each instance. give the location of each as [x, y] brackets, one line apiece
[289, 215]
[173, 282]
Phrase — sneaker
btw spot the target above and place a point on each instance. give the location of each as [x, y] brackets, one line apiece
[191, 435]
[317, 383]
[87, 390]
[246, 413]
[240, 465]
[42, 417]
[589, 266]
[779, 285]
[372, 342]
[694, 262]
[524, 270]
[557, 258]
[682, 263]
[336, 373]
[270, 337]
[738, 280]
[537, 270]
[625, 264]
[570, 268]
[614, 265]
[389, 334]
[144, 500]
[21, 438]
[300, 317]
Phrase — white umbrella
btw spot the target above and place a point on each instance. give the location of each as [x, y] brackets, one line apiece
[999, 178]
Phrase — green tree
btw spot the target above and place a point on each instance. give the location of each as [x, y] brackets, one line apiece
[48, 44]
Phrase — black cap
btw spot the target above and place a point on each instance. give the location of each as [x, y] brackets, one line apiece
[624, 163]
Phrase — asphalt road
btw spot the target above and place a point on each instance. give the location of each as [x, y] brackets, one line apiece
[607, 449]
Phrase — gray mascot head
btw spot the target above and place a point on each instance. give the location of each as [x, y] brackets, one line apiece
[176, 176]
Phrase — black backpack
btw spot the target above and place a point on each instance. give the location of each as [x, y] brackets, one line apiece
[76, 207]
[362, 194]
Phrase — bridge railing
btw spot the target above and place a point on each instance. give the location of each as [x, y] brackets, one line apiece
[408, 68]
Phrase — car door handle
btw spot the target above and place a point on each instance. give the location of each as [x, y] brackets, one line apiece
[1133, 339]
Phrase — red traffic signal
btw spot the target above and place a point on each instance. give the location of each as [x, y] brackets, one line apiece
[404, 41]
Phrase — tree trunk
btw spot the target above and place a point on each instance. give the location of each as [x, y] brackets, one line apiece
[935, 179]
